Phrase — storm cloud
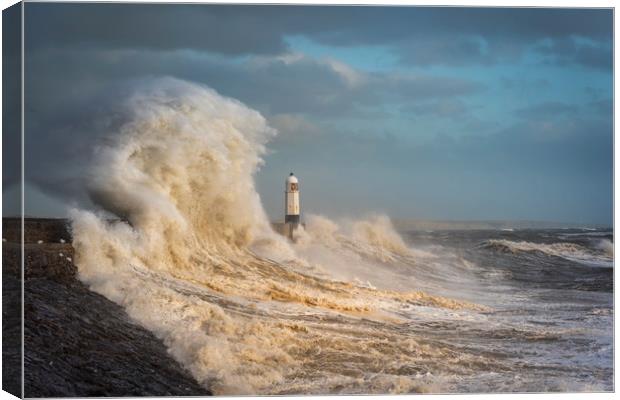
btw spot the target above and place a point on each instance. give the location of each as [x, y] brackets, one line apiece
[423, 112]
[418, 34]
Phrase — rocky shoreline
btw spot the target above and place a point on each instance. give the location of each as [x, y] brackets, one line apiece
[76, 342]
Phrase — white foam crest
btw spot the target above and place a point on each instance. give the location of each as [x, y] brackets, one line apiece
[373, 237]
[566, 250]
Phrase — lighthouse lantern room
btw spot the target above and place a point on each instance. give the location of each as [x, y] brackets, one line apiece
[291, 200]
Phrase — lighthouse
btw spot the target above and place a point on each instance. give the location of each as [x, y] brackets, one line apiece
[291, 200]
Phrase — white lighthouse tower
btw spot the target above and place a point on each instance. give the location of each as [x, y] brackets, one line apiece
[291, 200]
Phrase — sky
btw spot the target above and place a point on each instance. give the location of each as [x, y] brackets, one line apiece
[415, 112]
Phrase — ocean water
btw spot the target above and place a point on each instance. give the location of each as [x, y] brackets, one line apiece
[351, 306]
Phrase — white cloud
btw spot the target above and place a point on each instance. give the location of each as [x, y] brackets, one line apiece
[352, 77]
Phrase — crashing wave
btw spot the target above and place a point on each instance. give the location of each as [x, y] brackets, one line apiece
[194, 259]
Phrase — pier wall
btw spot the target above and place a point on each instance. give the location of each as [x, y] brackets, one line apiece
[285, 228]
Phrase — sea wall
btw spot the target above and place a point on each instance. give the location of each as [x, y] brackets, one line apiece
[282, 228]
[47, 230]
[76, 342]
